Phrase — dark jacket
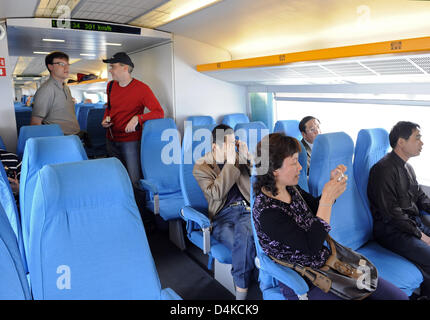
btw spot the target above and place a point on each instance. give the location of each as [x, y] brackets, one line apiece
[308, 153]
[395, 196]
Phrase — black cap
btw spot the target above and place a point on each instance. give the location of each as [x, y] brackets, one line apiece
[120, 57]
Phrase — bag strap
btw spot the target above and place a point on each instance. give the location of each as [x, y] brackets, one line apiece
[108, 94]
[317, 278]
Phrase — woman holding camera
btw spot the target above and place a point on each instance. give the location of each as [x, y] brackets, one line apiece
[291, 224]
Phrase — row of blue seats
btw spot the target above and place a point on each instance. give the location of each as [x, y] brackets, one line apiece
[161, 180]
[163, 184]
[81, 238]
[290, 127]
[351, 217]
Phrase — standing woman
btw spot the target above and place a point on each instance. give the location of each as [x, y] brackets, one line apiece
[291, 224]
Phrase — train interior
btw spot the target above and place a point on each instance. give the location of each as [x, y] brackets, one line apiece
[352, 64]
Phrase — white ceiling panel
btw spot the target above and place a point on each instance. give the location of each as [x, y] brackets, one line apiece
[113, 10]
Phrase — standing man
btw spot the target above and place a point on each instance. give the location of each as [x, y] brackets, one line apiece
[224, 177]
[124, 116]
[396, 200]
[53, 101]
[310, 128]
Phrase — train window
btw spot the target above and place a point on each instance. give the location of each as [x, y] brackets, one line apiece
[351, 118]
[94, 97]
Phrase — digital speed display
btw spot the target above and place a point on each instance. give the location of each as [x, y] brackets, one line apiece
[94, 26]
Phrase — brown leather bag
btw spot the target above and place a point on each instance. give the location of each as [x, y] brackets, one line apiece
[346, 273]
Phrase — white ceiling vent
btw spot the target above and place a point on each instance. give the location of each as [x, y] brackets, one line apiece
[392, 66]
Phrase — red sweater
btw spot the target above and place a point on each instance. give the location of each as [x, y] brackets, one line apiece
[127, 102]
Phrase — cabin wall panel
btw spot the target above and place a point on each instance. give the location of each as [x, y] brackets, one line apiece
[197, 93]
[7, 111]
[155, 68]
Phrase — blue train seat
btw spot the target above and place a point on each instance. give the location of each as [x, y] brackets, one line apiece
[370, 147]
[82, 116]
[234, 118]
[22, 116]
[251, 133]
[96, 133]
[11, 212]
[289, 127]
[2, 145]
[14, 285]
[87, 238]
[160, 157]
[39, 152]
[201, 120]
[26, 132]
[351, 222]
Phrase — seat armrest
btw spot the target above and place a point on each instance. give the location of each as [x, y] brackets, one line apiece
[188, 213]
[284, 274]
[153, 190]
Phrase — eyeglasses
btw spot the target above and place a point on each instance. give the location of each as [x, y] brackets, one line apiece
[61, 64]
[315, 129]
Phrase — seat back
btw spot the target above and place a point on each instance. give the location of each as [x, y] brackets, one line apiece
[371, 146]
[96, 133]
[196, 143]
[160, 154]
[87, 238]
[26, 132]
[350, 221]
[251, 133]
[2, 145]
[40, 152]
[83, 116]
[289, 127]
[14, 285]
[232, 119]
[11, 212]
[201, 120]
[22, 116]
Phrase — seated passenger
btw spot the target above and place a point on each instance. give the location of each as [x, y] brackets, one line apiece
[12, 166]
[396, 199]
[310, 128]
[291, 224]
[223, 175]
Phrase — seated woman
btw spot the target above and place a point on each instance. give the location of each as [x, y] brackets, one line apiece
[292, 226]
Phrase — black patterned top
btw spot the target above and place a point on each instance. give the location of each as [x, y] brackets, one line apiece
[291, 232]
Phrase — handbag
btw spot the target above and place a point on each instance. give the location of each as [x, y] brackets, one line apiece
[346, 273]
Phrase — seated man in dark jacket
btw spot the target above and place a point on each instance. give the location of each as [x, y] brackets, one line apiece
[396, 200]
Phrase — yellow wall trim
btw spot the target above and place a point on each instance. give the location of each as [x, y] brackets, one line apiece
[369, 49]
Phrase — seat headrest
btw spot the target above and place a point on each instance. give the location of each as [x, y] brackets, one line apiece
[90, 183]
[26, 132]
[201, 120]
[337, 145]
[289, 127]
[49, 150]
